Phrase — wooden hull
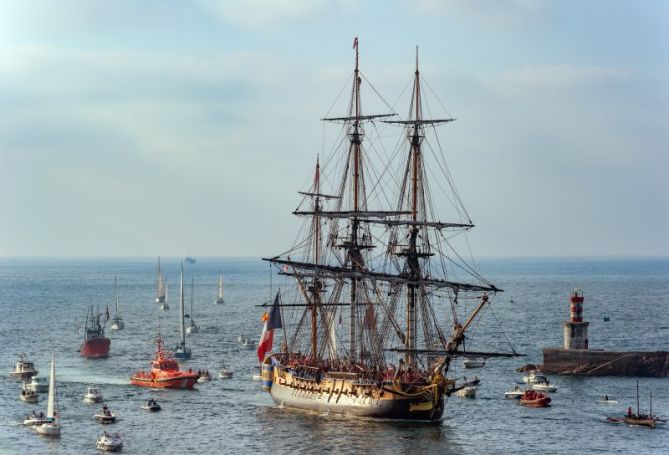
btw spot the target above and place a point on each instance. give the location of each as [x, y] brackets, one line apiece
[346, 397]
[639, 421]
[95, 348]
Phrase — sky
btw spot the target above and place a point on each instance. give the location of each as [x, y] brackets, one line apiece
[176, 127]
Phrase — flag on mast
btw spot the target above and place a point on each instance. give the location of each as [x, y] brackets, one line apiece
[272, 321]
[355, 42]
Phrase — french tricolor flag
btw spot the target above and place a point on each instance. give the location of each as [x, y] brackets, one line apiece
[272, 321]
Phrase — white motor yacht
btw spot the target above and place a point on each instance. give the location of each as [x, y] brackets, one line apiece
[23, 369]
[109, 442]
[92, 395]
[38, 384]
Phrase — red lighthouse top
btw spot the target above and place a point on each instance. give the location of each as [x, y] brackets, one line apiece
[576, 305]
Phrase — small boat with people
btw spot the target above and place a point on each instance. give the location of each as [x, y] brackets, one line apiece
[606, 400]
[109, 442]
[38, 384]
[28, 395]
[203, 376]
[105, 415]
[151, 406]
[224, 372]
[92, 395]
[36, 418]
[534, 399]
[638, 419]
[164, 373]
[23, 369]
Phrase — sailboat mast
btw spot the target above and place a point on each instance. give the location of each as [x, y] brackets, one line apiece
[637, 398]
[115, 297]
[181, 307]
[192, 279]
[412, 253]
[52, 388]
[159, 285]
[316, 288]
[354, 250]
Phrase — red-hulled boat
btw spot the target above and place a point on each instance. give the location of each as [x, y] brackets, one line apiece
[95, 343]
[535, 399]
[164, 372]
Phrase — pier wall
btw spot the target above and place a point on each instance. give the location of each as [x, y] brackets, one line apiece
[587, 362]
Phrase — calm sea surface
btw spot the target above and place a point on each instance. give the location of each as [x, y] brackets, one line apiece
[43, 306]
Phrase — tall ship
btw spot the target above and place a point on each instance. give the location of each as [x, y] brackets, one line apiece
[95, 343]
[373, 309]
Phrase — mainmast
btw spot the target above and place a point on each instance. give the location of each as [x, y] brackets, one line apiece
[316, 286]
[354, 255]
[182, 325]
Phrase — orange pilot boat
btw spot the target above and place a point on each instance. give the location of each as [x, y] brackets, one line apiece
[164, 372]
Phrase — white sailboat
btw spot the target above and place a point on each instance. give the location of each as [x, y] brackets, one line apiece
[117, 322]
[192, 327]
[52, 425]
[161, 287]
[164, 305]
[181, 352]
[220, 300]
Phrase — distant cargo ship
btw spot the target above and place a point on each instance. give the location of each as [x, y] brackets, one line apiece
[575, 358]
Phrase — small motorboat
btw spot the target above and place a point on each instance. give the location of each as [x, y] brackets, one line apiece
[536, 380]
[109, 442]
[257, 374]
[38, 385]
[92, 395]
[466, 391]
[224, 373]
[28, 395]
[514, 394]
[105, 415]
[246, 344]
[606, 400]
[203, 376]
[23, 369]
[534, 399]
[151, 406]
[473, 382]
[474, 363]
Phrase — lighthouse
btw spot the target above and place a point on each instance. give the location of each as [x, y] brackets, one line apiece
[575, 329]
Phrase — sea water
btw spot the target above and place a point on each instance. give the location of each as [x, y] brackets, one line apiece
[43, 305]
